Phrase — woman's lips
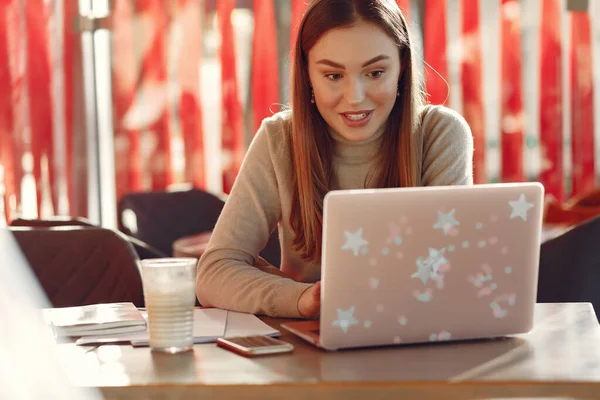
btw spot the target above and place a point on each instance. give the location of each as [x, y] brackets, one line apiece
[357, 119]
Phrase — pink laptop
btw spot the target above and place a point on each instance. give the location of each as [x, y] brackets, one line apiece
[427, 264]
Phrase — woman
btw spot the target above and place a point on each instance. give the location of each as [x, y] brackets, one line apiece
[357, 121]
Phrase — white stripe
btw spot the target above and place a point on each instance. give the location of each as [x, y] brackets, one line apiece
[491, 17]
[210, 75]
[454, 54]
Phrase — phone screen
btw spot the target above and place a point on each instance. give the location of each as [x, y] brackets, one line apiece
[255, 345]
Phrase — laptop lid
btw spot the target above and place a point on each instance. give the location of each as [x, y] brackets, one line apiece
[424, 264]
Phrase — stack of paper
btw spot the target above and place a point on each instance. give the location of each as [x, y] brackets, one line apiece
[96, 319]
[209, 324]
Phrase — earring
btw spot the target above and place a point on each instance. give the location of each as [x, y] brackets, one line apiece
[312, 96]
[398, 91]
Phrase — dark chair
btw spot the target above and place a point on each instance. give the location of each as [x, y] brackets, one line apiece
[78, 265]
[570, 266]
[160, 218]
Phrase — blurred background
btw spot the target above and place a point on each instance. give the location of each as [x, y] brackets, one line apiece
[104, 98]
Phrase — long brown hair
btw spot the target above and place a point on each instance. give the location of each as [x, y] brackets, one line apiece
[312, 150]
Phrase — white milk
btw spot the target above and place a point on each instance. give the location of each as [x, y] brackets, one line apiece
[170, 314]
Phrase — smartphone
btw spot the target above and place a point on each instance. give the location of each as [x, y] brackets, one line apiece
[249, 346]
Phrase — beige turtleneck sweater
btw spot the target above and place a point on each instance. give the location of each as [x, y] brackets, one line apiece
[230, 275]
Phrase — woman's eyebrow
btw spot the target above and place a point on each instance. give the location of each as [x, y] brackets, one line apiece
[375, 59]
[342, 66]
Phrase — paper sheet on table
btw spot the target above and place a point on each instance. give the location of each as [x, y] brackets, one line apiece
[243, 324]
[209, 324]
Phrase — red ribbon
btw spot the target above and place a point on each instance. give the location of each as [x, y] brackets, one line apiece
[582, 104]
[128, 162]
[188, 77]
[471, 84]
[265, 74]
[511, 119]
[231, 119]
[9, 156]
[298, 9]
[405, 7]
[551, 124]
[436, 73]
[39, 79]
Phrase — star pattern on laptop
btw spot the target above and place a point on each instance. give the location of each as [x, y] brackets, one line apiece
[354, 241]
[519, 208]
[446, 222]
[345, 319]
[507, 299]
[428, 268]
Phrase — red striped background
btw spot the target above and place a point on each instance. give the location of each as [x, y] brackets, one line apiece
[159, 94]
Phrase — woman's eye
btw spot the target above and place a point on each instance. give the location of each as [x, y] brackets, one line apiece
[334, 76]
[376, 74]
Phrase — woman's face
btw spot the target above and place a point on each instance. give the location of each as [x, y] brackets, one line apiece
[354, 74]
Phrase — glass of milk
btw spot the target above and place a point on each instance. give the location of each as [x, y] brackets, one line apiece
[170, 296]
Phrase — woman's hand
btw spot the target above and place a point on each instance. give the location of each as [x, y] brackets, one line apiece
[309, 303]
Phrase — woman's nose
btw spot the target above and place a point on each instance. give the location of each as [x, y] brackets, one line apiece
[355, 92]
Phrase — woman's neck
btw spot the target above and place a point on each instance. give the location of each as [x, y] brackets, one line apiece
[350, 152]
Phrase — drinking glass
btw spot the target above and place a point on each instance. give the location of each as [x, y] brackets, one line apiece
[170, 295]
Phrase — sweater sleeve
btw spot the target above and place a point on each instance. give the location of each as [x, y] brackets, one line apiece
[226, 276]
[447, 148]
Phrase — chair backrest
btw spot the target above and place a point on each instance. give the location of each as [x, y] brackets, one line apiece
[570, 266]
[82, 265]
[160, 218]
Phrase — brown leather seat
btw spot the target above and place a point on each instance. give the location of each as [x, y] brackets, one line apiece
[142, 249]
[82, 265]
[51, 222]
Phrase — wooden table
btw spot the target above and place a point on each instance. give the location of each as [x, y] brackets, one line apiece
[559, 358]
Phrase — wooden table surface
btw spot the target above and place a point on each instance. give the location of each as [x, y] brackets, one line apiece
[560, 357]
